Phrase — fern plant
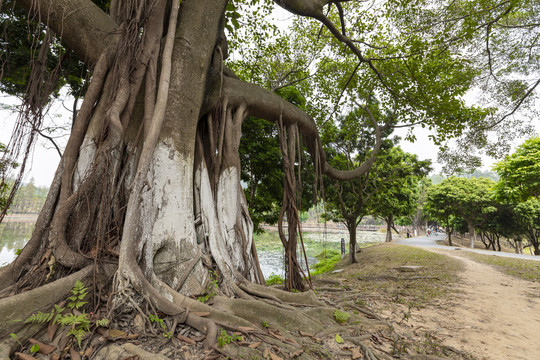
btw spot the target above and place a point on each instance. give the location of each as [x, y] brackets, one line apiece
[80, 323]
[78, 292]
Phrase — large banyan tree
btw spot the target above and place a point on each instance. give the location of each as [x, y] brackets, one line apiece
[148, 189]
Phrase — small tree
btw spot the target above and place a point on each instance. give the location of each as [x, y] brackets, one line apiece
[460, 197]
[350, 144]
[519, 173]
[397, 180]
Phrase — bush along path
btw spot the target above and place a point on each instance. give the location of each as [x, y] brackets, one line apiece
[335, 321]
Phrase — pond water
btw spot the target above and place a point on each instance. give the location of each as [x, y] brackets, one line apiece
[271, 253]
[14, 235]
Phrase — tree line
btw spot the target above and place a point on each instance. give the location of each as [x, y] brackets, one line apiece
[493, 210]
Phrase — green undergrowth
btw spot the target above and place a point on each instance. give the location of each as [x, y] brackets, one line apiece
[378, 274]
[521, 268]
[327, 262]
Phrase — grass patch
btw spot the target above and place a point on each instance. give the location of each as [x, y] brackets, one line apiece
[521, 268]
[327, 262]
[377, 274]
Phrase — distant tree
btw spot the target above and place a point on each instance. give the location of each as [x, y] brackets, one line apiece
[469, 199]
[397, 177]
[5, 166]
[520, 173]
[528, 220]
[439, 206]
[418, 218]
[348, 145]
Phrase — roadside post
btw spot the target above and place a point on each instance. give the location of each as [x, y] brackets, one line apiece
[342, 248]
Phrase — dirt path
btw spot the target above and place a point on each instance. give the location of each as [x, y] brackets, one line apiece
[496, 316]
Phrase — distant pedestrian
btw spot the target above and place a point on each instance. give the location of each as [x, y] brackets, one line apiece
[408, 234]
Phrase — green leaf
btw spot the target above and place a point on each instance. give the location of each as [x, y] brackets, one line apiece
[339, 340]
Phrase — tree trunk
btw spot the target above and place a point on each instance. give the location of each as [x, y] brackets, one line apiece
[351, 226]
[449, 233]
[472, 234]
[389, 222]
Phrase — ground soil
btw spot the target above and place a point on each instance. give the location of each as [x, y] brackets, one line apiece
[452, 308]
[493, 316]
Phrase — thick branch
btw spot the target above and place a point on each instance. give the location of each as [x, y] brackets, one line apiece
[266, 105]
[83, 26]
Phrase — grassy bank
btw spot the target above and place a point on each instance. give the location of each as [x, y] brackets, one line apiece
[378, 275]
[524, 269]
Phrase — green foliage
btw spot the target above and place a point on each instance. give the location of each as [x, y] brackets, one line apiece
[78, 322]
[225, 339]
[265, 324]
[520, 173]
[78, 293]
[456, 197]
[339, 339]
[21, 40]
[274, 279]
[34, 349]
[341, 316]
[211, 289]
[328, 261]
[41, 317]
[80, 325]
[161, 322]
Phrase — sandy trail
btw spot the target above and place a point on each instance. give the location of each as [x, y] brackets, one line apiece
[494, 317]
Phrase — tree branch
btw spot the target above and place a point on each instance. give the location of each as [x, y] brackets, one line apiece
[266, 105]
[81, 24]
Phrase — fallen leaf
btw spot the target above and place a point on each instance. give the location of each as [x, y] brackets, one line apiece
[245, 328]
[43, 348]
[305, 334]
[200, 314]
[275, 357]
[292, 341]
[357, 354]
[277, 336]
[297, 353]
[266, 353]
[212, 357]
[74, 354]
[198, 338]
[255, 345]
[88, 352]
[51, 330]
[186, 339]
[115, 333]
[339, 340]
[24, 356]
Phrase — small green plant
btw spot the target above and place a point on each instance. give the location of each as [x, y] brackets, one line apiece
[225, 338]
[211, 290]
[265, 324]
[339, 340]
[78, 293]
[16, 338]
[34, 349]
[341, 316]
[274, 279]
[161, 322]
[80, 323]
